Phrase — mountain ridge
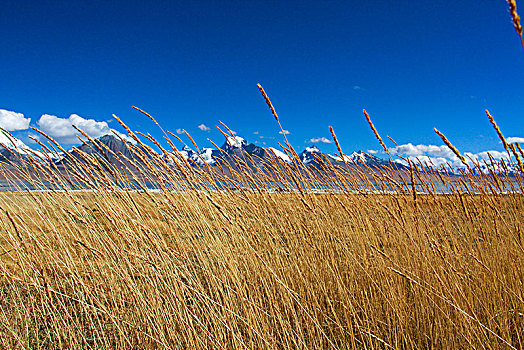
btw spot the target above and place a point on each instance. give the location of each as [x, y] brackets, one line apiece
[14, 151]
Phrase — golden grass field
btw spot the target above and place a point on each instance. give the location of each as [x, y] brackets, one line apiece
[249, 270]
[378, 259]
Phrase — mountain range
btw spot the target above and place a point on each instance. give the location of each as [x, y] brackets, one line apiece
[237, 147]
[13, 151]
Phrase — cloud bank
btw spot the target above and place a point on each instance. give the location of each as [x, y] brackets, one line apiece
[61, 129]
[515, 139]
[12, 121]
[441, 155]
[422, 150]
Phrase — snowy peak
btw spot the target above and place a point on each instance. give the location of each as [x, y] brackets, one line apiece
[370, 160]
[279, 154]
[206, 155]
[13, 143]
[13, 149]
[238, 145]
[308, 155]
[312, 149]
[355, 157]
[235, 142]
[358, 156]
[187, 152]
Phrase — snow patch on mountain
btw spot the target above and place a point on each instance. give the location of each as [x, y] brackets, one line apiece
[236, 141]
[186, 152]
[46, 156]
[358, 156]
[13, 143]
[207, 155]
[280, 154]
[355, 157]
[19, 147]
[313, 149]
[308, 155]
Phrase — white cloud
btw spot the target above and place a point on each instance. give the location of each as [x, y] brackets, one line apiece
[204, 127]
[12, 121]
[439, 155]
[256, 133]
[372, 151]
[62, 129]
[284, 132]
[423, 150]
[484, 155]
[515, 139]
[433, 161]
[180, 131]
[320, 140]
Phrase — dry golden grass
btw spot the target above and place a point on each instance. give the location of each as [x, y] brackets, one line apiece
[242, 269]
[516, 19]
[274, 256]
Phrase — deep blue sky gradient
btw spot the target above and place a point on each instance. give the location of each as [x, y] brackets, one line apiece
[413, 65]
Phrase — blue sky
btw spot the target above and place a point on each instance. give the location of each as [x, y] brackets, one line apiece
[413, 65]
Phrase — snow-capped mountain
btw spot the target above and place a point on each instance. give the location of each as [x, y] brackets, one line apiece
[206, 155]
[234, 143]
[311, 155]
[233, 146]
[354, 157]
[238, 146]
[359, 158]
[308, 155]
[279, 154]
[14, 150]
[187, 152]
[13, 143]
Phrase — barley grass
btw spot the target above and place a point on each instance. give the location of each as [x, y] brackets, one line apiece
[375, 132]
[516, 19]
